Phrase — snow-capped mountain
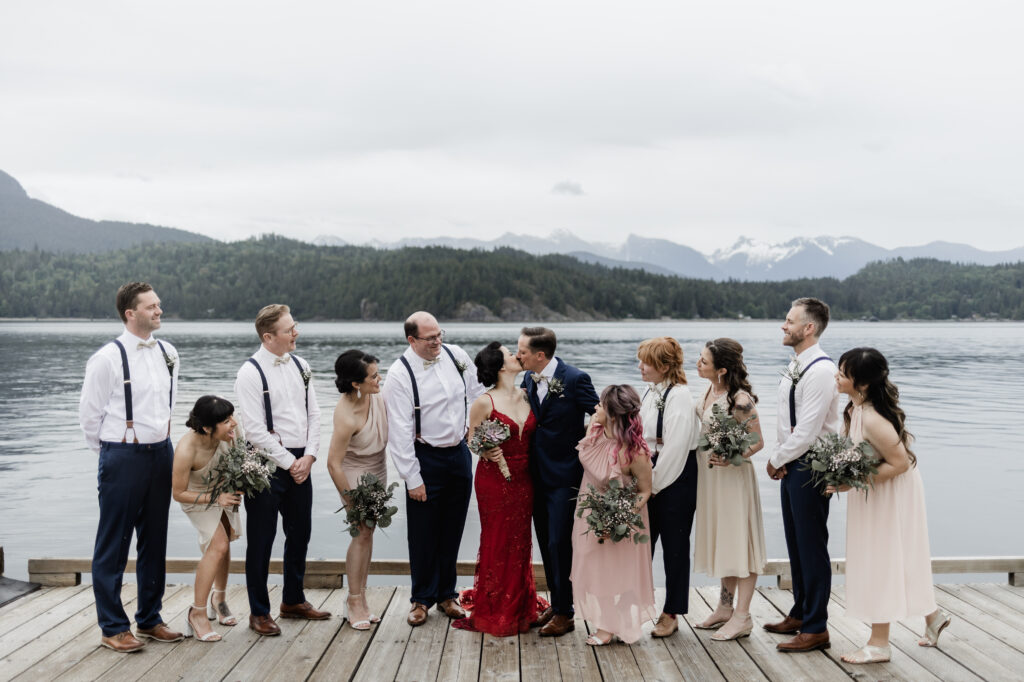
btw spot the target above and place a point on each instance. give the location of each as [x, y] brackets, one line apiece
[750, 259]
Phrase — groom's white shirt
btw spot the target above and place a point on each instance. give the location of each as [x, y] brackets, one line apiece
[817, 407]
[548, 372]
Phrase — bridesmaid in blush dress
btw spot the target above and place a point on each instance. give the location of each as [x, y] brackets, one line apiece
[888, 562]
[503, 601]
[612, 583]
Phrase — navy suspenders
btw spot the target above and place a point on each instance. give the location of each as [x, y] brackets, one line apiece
[128, 415]
[416, 390]
[792, 391]
[266, 394]
[659, 429]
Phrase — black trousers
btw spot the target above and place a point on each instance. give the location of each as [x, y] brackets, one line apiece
[671, 516]
[294, 502]
[553, 516]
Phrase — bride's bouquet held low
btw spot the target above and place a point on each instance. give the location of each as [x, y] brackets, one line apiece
[835, 460]
[242, 468]
[612, 516]
[368, 504]
[727, 437]
[491, 433]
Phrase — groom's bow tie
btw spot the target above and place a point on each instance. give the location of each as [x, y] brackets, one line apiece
[538, 377]
[146, 344]
[283, 360]
[428, 363]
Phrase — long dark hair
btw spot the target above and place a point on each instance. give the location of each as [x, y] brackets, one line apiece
[869, 368]
[727, 354]
[622, 409]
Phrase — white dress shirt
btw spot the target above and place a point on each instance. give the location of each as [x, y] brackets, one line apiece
[101, 410]
[444, 405]
[548, 372]
[297, 426]
[817, 407]
[680, 431]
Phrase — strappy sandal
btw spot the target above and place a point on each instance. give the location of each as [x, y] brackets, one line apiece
[594, 640]
[869, 654]
[221, 613]
[190, 630]
[934, 629]
[361, 625]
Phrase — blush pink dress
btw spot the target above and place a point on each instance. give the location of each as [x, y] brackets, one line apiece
[888, 559]
[612, 583]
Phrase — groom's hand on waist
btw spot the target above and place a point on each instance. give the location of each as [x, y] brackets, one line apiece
[419, 493]
[776, 474]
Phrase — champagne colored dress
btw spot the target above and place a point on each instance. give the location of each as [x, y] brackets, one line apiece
[888, 559]
[729, 528]
[207, 518]
[612, 583]
[367, 447]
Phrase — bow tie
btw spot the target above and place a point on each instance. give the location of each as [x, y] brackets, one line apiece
[283, 360]
[538, 378]
[146, 344]
[428, 363]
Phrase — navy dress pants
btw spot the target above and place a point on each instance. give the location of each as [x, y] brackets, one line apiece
[434, 528]
[294, 502]
[134, 482]
[805, 519]
[553, 515]
[671, 516]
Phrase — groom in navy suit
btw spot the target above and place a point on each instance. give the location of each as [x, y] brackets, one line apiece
[560, 396]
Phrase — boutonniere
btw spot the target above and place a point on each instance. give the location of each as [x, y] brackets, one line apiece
[659, 399]
[461, 366]
[307, 374]
[555, 387]
[793, 373]
[172, 362]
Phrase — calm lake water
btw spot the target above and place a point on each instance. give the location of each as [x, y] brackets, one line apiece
[961, 385]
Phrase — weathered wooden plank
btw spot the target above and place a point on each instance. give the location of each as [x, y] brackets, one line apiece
[538, 657]
[616, 660]
[12, 590]
[21, 601]
[301, 657]
[993, 608]
[389, 641]
[943, 663]
[653, 658]
[499, 659]
[685, 647]
[35, 627]
[267, 650]
[56, 643]
[19, 613]
[1007, 596]
[344, 654]
[951, 601]
[423, 652]
[732, 660]
[576, 660]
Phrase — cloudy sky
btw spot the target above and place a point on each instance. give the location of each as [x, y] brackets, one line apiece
[899, 122]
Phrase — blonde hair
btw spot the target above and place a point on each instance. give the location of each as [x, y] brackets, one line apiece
[268, 316]
[665, 355]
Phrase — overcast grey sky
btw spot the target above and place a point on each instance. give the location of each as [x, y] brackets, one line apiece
[898, 122]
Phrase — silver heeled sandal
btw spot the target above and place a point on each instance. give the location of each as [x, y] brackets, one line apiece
[190, 631]
[219, 611]
[935, 628]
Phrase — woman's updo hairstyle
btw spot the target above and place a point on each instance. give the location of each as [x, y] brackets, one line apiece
[209, 411]
[351, 366]
[622, 412]
[489, 362]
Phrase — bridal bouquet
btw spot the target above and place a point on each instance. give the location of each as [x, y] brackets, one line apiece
[611, 512]
[491, 433]
[368, 504]
[241, 468]
[836, 460]
[727, 437]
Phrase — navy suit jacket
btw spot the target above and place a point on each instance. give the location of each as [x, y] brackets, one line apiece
[554, 460]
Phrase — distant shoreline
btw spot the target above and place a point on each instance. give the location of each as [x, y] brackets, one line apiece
[625, 320]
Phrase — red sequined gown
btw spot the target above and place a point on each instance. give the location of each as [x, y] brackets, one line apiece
[503, 600]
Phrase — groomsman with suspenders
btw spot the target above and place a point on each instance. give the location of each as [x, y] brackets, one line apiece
[125, 411]
[279, 415]
[808, 408]
[427, 393]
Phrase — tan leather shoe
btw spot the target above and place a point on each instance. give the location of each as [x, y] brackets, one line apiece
[558, 626]
[452, 609]
[544, 617]
[123, 642]
[304, 610]
[786, 626]
[417, 614]
[264, 625]
[665, 626]
[160, 633]
[805, 641]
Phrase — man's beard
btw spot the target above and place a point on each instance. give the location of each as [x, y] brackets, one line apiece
[795, 339]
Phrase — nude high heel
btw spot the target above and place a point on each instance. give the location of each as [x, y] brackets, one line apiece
[190, 630]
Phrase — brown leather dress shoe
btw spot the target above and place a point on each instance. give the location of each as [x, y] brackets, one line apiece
[452, 609]
[304, 610]
[665, 626]
[544, 617]
[160, 633]
[123, 642]
[786, 626]
[417, 614]
[558, 626]
[264, 625]
[805, 641]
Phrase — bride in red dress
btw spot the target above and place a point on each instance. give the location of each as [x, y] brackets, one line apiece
[503, 600]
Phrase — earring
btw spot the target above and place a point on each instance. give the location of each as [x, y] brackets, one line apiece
[359, 394]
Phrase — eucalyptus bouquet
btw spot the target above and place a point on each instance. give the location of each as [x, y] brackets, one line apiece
[491, 433]
[611, 514]
[835, 460]
[368, 504]
[242, 468]
[727, 436]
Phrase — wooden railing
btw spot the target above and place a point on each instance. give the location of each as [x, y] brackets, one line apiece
[331, 572]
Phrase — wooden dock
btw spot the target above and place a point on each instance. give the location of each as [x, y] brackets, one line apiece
[52, 634]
